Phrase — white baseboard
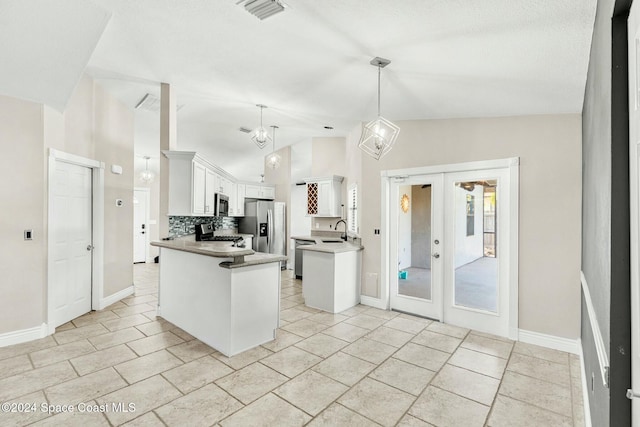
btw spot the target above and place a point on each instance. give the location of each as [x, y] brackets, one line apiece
[113, 298]
[372, 302]
[24, 335]
[550, 341]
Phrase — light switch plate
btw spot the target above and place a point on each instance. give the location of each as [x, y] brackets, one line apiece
[119, 203]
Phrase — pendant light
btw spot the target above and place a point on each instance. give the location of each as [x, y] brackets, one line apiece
[261, 135]
[146, 175]
[379, 135]
[273, 160]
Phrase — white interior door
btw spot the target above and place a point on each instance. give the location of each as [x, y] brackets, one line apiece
[477, 251]
[634, 160]
[140, 225]
[415, 245]
[72, 241]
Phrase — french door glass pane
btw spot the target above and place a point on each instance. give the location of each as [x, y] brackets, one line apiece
[475, 251]
[414, 241]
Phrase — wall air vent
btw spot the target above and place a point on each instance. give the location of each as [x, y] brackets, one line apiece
[262, 9]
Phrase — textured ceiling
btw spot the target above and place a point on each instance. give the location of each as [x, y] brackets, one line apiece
[310, 64]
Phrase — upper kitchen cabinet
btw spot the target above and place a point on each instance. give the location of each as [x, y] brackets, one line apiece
[193, 183]
[236, 200]
[260, 192]
[224, 186]
[324, 196]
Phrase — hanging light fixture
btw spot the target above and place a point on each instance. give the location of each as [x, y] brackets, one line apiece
[261, 135]
[273, 161]
[146, 175]
[379, 135]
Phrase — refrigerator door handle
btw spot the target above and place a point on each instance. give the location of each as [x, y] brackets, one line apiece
[270, 230]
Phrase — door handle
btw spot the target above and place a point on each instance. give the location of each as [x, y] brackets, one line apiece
[89, 247]
[632, 394]
[436, 255]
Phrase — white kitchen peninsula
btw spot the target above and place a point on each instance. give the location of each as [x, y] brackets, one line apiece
[331, 280]
[227, 297]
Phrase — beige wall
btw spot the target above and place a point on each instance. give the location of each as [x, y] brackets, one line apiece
[23, 192]
[94, 126]
[113, 139]
[549, 148]
[328, 158]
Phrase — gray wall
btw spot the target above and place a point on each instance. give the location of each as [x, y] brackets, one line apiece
[605, 206]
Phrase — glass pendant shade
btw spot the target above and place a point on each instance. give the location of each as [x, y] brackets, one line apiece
[146, 175]
[274, 159]
[379, 135]
[260, 135]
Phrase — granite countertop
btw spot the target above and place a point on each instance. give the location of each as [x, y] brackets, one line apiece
[213, 249]
[334, 248]
[255, 259]
[317, 239]
[242, 257]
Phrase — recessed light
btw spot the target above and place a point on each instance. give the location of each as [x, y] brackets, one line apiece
[328, 127]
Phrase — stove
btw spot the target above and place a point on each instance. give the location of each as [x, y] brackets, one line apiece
[226, 238]
[204, 232]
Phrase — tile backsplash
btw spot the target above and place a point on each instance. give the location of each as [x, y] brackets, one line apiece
[185, 225]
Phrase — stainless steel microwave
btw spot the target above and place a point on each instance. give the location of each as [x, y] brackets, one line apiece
[222, 205]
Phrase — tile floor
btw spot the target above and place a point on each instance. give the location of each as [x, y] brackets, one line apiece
[362, 367]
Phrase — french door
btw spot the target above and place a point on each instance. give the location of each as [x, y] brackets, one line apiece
[449, 246]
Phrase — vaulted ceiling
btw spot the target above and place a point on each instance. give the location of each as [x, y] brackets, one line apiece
[309, 64]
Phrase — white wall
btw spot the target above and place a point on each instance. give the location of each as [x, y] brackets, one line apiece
[468, 248]
[549, 147]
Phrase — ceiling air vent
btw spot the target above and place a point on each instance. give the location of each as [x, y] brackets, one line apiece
[244, 129]
[149, 102]
[263, 9]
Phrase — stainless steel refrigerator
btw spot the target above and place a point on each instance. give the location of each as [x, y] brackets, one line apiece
[266, 221]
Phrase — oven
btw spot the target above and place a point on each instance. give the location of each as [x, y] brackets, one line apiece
[221, 205]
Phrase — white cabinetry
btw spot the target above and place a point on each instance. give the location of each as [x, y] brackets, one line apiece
[324, 196]
[193, 183]
[210, 193]
[236, 200]
[199, 188]
[260, 192]
[224, 186]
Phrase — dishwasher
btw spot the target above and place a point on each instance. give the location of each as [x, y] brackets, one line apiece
[298, 255]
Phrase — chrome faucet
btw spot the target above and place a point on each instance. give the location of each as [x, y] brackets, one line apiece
[344, 236]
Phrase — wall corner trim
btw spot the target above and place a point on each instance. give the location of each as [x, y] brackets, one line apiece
[113, 298]
[373, 302]
[601, 349]
[24, 335]
[550, 341]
